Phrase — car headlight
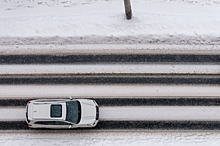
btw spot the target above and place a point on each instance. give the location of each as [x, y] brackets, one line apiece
[95, 103]
[92, 124]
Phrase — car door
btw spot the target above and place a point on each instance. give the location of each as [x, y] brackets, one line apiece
[52, 124]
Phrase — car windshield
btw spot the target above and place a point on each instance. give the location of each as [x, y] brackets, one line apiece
[73, 112]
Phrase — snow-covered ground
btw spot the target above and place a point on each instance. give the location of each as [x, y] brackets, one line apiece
[110, 138]
[103, 22]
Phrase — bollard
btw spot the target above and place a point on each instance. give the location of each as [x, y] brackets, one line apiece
[128, 10]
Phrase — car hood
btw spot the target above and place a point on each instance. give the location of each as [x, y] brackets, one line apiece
[88, 112]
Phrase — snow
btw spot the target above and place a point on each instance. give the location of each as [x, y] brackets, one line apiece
[116, 69]
[12, 114]
[108, 91]
[63, 22]
[110, 138]
[108, 49]
[160, 113]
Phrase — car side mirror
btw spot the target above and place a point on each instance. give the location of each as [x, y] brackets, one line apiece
[71, 98]
[70, 126]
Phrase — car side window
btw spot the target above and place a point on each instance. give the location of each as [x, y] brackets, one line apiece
[52, 123]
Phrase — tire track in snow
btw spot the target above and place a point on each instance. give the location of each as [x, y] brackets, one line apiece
[162, 101]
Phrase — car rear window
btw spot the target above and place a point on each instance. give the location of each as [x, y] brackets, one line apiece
[56, 111]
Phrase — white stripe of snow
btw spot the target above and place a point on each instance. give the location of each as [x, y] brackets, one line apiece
[106, 91]
[161, 113]
[108, 49]
[12, 113]
[110, 69]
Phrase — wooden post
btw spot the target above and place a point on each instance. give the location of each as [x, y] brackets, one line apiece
[128, 11]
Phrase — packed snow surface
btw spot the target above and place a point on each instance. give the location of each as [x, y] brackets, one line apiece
[103, 22]
[112, 69]
[110, 138]
[108, 91]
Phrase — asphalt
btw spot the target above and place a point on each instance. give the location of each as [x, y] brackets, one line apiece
[108, 79]
[128, 125]
[94, 59]
[184, 101]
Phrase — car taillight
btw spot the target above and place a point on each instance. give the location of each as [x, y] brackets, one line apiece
[28, 124]
[28, 101]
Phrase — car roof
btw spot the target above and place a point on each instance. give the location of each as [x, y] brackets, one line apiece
[42, 111]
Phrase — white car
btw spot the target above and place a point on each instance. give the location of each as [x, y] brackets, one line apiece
[62, 113]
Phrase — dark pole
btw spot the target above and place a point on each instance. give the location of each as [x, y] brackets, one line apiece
[128, 11]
